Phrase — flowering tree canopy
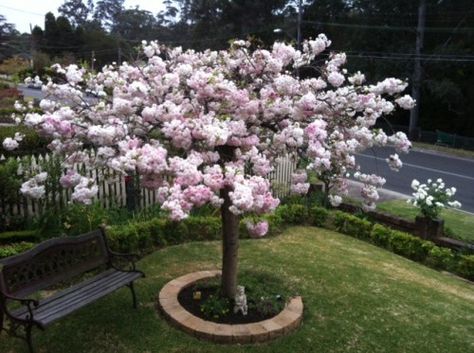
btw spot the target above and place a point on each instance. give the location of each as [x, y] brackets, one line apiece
[207, 127]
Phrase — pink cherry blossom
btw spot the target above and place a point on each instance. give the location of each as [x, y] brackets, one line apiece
[257, 230]
[194, 125]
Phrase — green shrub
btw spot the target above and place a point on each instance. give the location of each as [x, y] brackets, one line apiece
[19, 236]
[31, 142]
[293, 213]
[352, 225]
[407, 245]
[14, 249]
[161, 232]
[441, 258]
[380, 235]
[465, 266]
[276, 224]
[318, 216]
[203, 228]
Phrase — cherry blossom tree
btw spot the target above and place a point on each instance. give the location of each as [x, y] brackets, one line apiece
[208, 127]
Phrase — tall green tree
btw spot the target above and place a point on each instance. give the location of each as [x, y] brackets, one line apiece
[75, 11]
[107, 11]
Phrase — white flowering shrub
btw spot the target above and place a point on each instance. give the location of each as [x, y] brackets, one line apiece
[432, 197]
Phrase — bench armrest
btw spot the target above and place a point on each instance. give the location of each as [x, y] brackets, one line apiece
[29, 303]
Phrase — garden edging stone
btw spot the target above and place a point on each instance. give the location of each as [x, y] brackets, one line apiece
[286, 321]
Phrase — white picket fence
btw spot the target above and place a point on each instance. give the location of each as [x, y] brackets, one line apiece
[111, 187]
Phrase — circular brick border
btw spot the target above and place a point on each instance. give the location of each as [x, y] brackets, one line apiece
[281, 324]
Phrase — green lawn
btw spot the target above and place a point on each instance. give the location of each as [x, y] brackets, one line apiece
[444, 149]
[459, 225]
[358, 298]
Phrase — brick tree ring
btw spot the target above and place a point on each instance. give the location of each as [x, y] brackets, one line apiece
[286, 321]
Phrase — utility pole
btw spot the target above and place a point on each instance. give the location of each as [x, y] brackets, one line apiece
[32, 46]
[416, 84]
[298, 33]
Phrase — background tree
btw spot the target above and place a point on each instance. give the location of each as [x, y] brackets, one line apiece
[107, 11]
[76, 11]
[135, 25]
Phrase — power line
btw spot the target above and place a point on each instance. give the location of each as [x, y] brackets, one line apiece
[390, 28]
[22, 11]
[403, 58]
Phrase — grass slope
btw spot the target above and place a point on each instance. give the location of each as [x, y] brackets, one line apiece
[459, 225]
[358, 298]
[444, 149]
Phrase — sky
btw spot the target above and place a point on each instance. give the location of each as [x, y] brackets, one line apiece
[22, 13]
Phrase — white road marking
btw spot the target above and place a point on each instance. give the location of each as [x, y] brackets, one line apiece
[420, 167]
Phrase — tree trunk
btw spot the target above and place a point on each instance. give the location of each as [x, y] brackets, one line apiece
[230, 246]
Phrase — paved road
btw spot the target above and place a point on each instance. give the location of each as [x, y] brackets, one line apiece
[31, 92]
[457, 172]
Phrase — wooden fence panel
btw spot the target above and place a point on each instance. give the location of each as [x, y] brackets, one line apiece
[111, 187]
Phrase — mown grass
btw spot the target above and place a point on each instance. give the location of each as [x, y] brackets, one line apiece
[444, 149]
[458, 224]
[358, 298]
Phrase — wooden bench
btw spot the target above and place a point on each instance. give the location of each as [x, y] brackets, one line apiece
[50, 263]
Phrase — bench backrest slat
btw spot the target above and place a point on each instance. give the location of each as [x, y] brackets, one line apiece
[51, 262]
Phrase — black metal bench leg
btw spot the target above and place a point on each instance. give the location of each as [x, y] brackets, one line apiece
[29, 340]
[1, 320]
[134, 297]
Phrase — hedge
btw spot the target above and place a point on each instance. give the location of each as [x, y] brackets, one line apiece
[14, 249]
[159, 232]
[352, 225]
[293, 214]
[401, 243]
[30, 236]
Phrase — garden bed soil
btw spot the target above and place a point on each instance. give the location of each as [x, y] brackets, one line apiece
[192, 305]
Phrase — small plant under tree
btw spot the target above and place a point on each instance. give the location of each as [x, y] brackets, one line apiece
[207, 127]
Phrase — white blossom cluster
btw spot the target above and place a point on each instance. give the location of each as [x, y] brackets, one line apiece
[432, 197]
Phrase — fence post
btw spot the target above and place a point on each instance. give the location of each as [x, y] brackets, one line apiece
[130, 193]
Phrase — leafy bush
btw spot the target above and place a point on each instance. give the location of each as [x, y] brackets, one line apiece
[293, 213]
[9, 181]
[380, 235]
[160, 232]
[276, 224]
[441, 258]
[407, 245]
[19, 236]
[32, 142]
[14, 249]
[216, 306]
[318, 216]
[465, 266]
[352, 225]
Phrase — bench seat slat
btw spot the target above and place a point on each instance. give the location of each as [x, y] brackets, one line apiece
[74, 298]
[82, 297]
[68, 296]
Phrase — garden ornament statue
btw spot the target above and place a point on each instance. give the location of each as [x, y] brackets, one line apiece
[240, 301]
